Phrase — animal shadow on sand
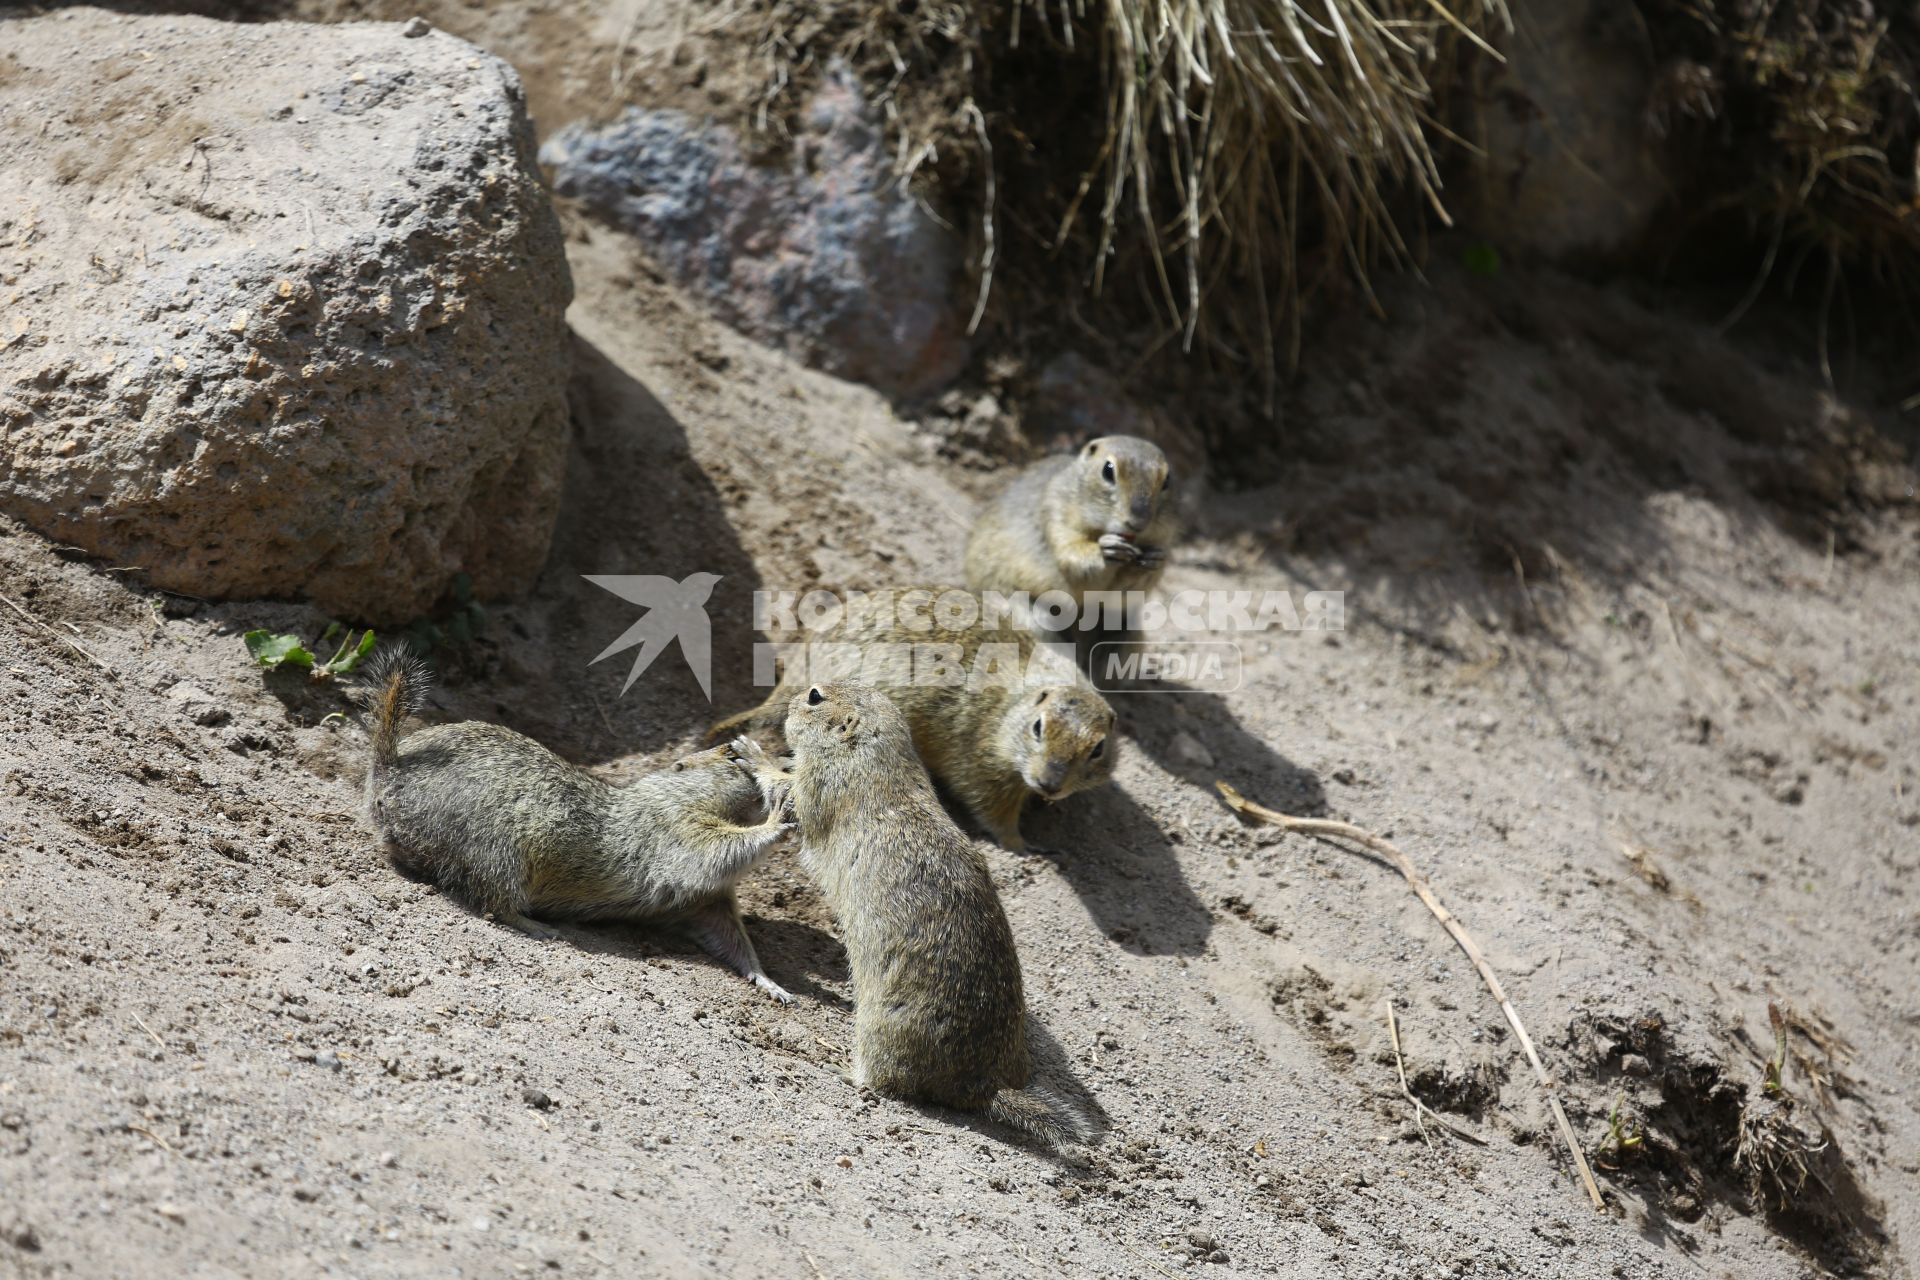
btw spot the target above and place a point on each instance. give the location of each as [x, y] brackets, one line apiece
[794, 954]
[1119, 860]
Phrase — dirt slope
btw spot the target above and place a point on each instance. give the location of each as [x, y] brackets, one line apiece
[233, 1042]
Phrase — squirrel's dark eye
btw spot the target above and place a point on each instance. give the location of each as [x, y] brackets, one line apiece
[1106, 471]
[1036, 729]
[1099, 749]
[814, 697]
[1166, 479]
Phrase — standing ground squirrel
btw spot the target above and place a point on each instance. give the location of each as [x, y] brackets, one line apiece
[1093, 520]
[938, 1011]
[991, 738]
[508, 828]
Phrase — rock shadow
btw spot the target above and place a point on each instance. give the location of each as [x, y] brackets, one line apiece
[636, 501]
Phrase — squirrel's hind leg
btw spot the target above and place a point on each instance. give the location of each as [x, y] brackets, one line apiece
[721, 933]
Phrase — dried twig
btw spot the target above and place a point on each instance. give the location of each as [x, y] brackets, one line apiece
[1366, 839]
[144, 1132]
[1420, 1108]
[74, 645]
[149, 1030]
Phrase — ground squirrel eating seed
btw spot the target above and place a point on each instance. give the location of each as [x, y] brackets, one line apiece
[991, 738]
[939, 1014]
[508, 828]
[1096, 519]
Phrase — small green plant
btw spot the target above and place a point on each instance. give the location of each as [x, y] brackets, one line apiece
[1622, 1139]
[277, 650]
[1774, 1083]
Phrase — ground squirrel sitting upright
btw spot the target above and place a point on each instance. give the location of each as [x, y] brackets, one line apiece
[508, 828]
[992, 739]
[1093, 520]
[938, 1010]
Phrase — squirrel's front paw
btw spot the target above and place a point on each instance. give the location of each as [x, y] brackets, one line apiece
[1117, 549]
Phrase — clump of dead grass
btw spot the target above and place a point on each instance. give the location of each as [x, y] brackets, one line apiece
[1212, 160]
[1773, 1152]
[1802, 117]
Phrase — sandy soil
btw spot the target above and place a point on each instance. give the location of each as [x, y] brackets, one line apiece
[1633, 621]
[231, 1039]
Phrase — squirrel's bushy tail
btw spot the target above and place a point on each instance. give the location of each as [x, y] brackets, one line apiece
[1048, 1116]
[397, 683]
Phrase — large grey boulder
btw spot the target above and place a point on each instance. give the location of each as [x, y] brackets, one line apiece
[826, 254]
[281, 308]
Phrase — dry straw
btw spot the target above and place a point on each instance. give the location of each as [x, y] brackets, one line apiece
[1241, 147]
[1230, 122]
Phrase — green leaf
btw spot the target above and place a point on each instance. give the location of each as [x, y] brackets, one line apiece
[271, 651]
[354, 659]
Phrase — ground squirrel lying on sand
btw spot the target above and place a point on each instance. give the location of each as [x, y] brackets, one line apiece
[992, 739]
[1096, 519]
[938, 1011]
[508, 828]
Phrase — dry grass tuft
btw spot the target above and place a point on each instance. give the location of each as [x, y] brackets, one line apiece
[1803, 119]
[1201, 159]
[1774, 1154]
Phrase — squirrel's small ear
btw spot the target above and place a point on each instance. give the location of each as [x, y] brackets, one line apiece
[1088, 451]
[679, 766]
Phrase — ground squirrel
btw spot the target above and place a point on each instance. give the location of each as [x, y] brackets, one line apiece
[1096, 519]
[938, 1011]
[508, 828]
[991, 738]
